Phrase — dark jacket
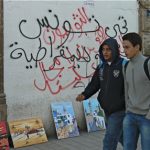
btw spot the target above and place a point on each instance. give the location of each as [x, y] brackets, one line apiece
[109, 80]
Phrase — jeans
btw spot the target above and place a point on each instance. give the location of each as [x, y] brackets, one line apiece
[113, 134]
[133, 126]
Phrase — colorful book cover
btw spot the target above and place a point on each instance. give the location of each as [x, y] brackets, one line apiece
[64, 119]
[27, 132]
[4, 145]
[94, 115]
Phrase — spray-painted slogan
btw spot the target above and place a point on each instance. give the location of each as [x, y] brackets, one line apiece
[66, 52]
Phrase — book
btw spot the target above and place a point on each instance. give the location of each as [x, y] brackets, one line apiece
[4, 144]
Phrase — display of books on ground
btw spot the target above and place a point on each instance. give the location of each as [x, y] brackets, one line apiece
[94, 115]
[27, 132]
[4, 145]
[64, 119]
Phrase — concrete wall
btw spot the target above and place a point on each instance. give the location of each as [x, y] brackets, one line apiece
[50, 51]
[144, 25]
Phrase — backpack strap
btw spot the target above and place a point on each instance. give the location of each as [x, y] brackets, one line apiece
[101, 64]
[146, 67]
[124, 61]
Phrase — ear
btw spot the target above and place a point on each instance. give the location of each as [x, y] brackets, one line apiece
[137, 47]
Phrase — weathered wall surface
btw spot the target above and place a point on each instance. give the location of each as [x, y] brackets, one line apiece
[144, 25]
[51, 50]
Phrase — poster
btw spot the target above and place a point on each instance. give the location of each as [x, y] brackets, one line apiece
[94, 115]
[27, 132]
[64, 119]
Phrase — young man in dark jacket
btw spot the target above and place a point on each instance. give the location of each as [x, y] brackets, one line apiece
[108, 80]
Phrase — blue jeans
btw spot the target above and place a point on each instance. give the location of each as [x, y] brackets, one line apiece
[133, 126]
[113, 134]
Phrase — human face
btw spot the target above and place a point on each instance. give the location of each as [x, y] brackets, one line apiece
[107, 53]
[130, 50]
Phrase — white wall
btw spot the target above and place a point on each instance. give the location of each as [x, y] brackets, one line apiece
[28, 51]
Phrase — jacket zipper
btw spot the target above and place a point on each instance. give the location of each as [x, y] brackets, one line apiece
[108, 80]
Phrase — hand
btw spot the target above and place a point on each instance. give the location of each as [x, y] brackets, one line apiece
[80, 97]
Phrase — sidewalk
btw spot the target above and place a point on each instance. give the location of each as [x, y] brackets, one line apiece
[86, 141]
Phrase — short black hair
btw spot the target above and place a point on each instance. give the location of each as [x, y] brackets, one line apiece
[134, 38]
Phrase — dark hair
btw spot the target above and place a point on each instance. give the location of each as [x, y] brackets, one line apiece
[134, 38]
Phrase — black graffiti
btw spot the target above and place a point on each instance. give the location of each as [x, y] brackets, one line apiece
[68, 28]
[20, 52]
[72, 58]
[122, 29]
[89, 31]
[44, 22]
[70, 31]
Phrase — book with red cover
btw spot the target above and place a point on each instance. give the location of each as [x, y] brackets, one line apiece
[4, 145]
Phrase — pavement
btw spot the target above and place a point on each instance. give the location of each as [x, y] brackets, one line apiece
[85, 141]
